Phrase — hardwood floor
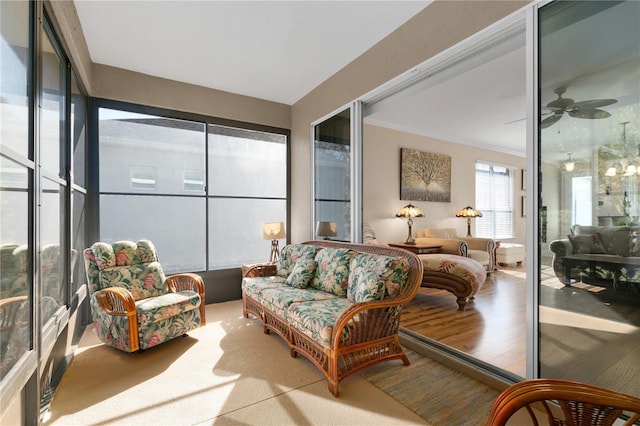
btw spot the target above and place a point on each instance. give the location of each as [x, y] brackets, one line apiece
[588, 333]
[491, 328]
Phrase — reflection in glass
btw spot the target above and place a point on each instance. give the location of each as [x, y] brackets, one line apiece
[143, 153]
[53, 284]
[78, 239]
[52, 111]
[15, 277]
[332, 173]
[174, 224]
[78, 132]
[589, 286]
[14, 60]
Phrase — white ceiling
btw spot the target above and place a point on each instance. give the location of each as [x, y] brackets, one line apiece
[273, 50]
[280, 51]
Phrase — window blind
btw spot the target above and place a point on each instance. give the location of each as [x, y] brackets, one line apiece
[494, 198]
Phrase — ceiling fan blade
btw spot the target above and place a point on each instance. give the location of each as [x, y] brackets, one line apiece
[593, 103]
[589, 113]
[550, 121]
[560, 103]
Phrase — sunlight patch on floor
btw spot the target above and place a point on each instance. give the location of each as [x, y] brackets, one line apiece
[555, 316]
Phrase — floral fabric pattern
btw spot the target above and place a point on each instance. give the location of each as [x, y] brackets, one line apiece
[253, 286]
[317, 319]
[279, 299]
[290, 255]
[160, 314]
[142, 280]
[463, 267]
[364, 286]
[332, 272]
[393, 271]
[302, 273]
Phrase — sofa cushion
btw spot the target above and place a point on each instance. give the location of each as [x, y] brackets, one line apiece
[159, 308]
[614, 238]
[445, 233]
[290, 254]
[587, 243]
[316, 319]
[302, 273]
[253, 286]
[393, 271]
[332, 272]
[279, 299]
[364, 285]
[142, 280]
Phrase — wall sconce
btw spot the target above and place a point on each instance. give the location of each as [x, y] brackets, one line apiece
[326, 229]
[569, 165]
[273, 231]
[410, 211]
[468, 212]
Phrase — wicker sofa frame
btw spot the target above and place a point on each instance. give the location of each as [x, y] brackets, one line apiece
[372, 326]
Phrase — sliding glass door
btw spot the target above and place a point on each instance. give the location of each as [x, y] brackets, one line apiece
[336, 171]
[589, 287]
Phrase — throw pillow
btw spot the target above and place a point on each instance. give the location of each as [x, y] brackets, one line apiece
[364, 286]
[332, 272]
[393, 271]
[587, 244]
[634, 241]
[289, 256]
[302, 273]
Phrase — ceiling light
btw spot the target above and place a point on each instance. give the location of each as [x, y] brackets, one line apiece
[569, 165]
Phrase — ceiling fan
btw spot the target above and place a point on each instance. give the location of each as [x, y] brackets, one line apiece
[583, 109]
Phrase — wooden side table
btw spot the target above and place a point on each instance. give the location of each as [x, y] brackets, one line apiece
[418, 248]
[258, 270]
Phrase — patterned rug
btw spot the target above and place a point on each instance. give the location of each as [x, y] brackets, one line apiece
[439, 394]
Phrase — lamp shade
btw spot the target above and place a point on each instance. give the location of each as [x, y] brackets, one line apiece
[410, 211]
[273, 231]
[326, 229]
[468, 212]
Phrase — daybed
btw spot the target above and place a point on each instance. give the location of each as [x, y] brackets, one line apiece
[482, 250]
[337, 304]
[599, 255]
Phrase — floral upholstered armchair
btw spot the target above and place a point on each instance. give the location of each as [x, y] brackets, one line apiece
[134, 305]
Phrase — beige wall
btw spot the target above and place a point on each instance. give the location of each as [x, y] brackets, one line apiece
[381, 191]
[439, 26]
[103, 81]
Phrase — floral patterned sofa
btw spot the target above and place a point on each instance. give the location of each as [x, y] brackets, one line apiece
[337, 304]
[134, 305]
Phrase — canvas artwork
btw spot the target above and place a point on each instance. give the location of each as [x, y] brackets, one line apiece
[425, 176]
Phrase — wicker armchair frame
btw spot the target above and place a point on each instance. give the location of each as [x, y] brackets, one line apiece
[118, 301]
[564, 402]
[372, 327]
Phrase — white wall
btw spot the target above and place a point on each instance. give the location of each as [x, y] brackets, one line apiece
[381, 191]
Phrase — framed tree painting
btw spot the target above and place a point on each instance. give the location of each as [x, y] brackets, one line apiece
[425, 176]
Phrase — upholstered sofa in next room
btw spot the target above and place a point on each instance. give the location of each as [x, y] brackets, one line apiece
[337, 304]
[606, 255]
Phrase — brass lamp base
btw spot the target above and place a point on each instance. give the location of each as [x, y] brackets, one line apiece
[410, 239]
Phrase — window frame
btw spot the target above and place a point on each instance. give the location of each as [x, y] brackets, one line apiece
[489, 214]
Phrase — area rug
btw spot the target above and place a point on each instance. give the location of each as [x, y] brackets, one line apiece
[437, 393]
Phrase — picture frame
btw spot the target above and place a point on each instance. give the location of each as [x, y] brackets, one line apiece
[523, 179]
[523, 206]
[425, 176]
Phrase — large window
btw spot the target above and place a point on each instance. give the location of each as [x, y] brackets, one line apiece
[494, 198]
[153, 186]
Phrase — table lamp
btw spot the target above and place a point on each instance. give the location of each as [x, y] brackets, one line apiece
[326, 229]
[410, 211]
[468, 212]
[273, 231]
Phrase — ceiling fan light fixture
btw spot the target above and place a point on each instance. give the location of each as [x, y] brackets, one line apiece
[569, 165]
